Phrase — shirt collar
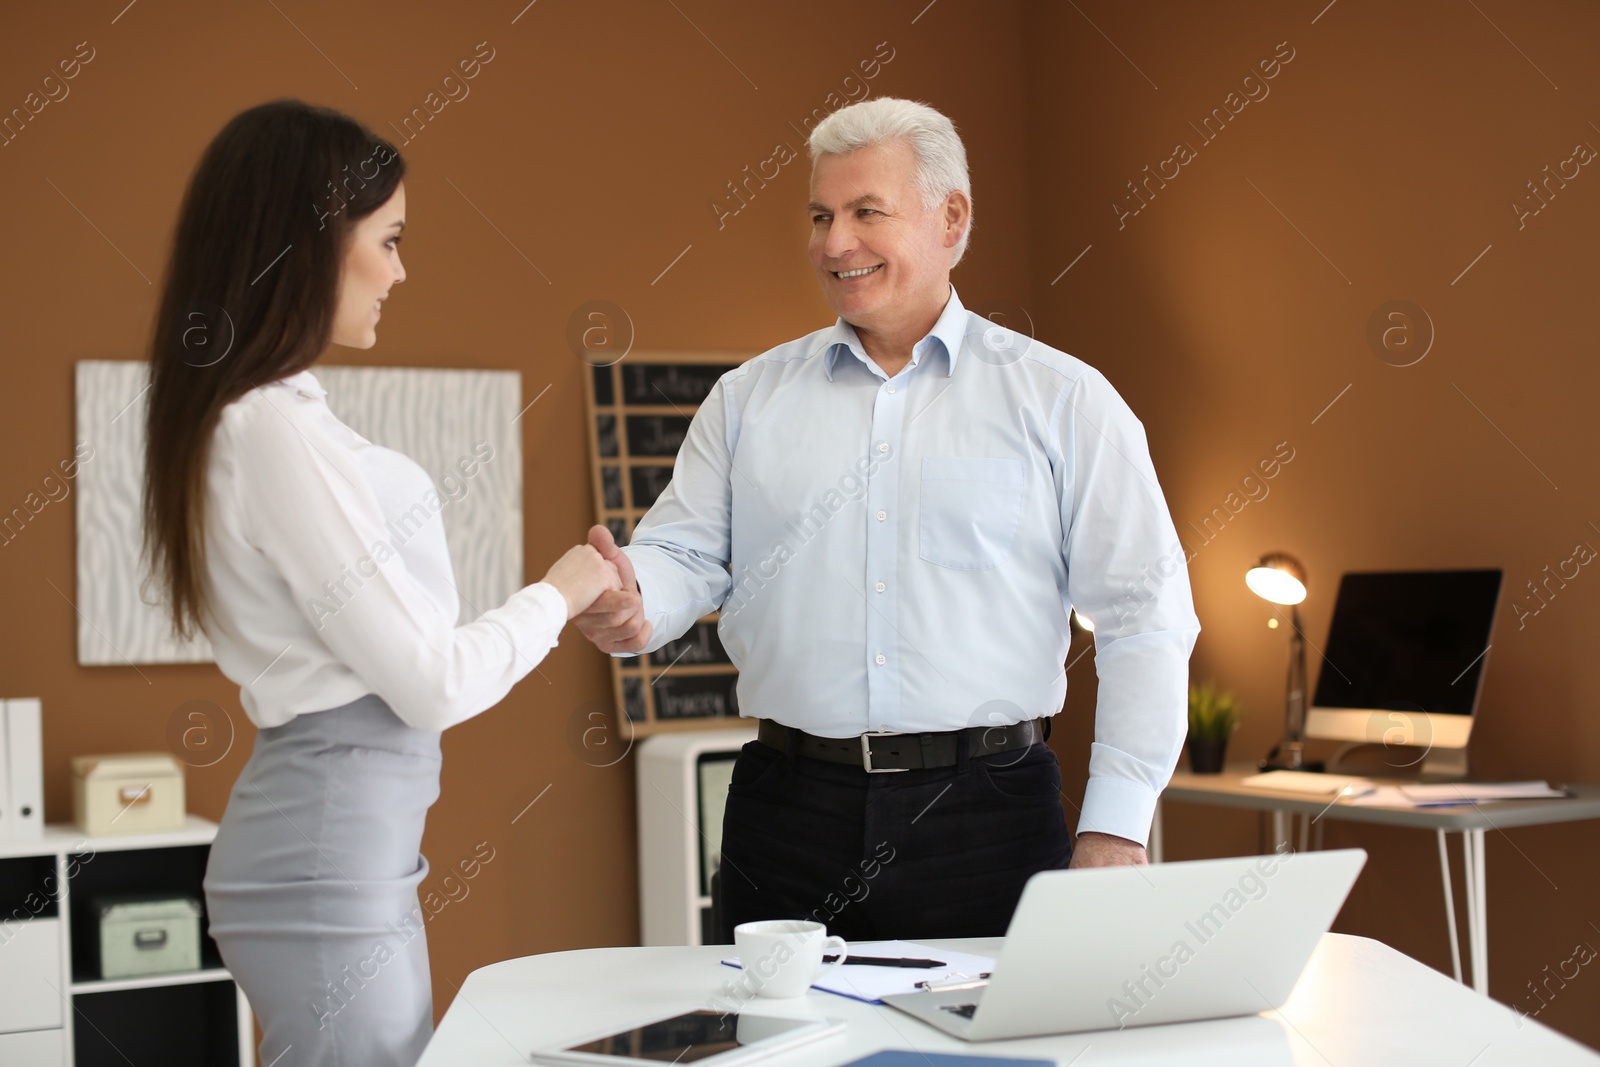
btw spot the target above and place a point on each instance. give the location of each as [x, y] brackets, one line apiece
[949, 330]
[305, 383]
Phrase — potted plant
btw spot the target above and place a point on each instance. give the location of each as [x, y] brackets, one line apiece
[1213, 717]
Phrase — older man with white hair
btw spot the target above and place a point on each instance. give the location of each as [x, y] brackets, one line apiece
[895, 516]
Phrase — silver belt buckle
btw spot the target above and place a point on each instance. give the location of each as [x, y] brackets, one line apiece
[866, 752]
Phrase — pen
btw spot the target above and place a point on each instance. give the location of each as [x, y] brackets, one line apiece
[885, 961]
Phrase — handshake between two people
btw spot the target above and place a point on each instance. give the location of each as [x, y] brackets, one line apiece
[602, 593]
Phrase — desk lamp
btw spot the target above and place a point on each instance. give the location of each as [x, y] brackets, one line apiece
[1279, 578]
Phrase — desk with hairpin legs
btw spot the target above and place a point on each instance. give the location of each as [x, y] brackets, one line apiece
[1471, 822]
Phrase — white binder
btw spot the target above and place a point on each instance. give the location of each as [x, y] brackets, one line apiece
[21, 769]
[8, 820]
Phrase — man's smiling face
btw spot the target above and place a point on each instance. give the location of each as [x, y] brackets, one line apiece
[878, 253]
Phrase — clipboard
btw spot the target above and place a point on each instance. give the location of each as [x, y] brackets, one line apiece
[869, 984]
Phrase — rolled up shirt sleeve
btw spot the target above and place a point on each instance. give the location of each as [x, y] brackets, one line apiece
[681, 547]
[306, 506]
[1127, 572]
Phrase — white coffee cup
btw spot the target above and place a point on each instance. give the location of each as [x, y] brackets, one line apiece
[784, 956]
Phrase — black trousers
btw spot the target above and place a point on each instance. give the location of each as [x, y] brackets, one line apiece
[915, 854]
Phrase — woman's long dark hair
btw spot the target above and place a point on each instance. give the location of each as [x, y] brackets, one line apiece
[249, 297]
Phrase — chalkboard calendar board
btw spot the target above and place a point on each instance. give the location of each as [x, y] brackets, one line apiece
[639, 413]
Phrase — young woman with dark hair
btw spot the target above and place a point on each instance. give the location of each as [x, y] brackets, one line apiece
[258, 502]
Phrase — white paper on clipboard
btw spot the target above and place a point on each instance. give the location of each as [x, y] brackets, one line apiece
[869, 983]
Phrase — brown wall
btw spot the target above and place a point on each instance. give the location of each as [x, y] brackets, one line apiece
[1395, 140]
[596, 141]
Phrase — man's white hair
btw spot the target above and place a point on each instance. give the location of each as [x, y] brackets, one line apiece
[941, 157]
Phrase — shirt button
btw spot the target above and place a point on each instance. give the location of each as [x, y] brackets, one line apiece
[891, 388]
[880, 587]
[883, 446]
[882, 515]
[880, 659]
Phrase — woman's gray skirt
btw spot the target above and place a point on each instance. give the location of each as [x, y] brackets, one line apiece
[312, 884]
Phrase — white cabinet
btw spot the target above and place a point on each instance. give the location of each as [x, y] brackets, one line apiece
[55, 1009]
[683, 786]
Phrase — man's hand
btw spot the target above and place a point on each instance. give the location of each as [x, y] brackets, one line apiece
[615, 622]
[1103, 850]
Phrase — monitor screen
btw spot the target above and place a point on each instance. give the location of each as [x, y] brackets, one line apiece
[1409, 641]
[714, 771]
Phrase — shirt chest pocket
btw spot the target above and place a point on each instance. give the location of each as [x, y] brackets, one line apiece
[971, 510]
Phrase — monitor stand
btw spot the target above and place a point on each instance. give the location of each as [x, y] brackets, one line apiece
[1445, 765]
[1368, 759]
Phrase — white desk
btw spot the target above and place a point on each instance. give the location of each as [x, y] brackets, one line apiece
[1471, 823]
[1359, 1002]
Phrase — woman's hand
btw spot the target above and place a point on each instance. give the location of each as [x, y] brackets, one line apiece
[582, 575]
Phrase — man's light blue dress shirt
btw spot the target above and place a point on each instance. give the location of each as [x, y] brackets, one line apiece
[905, 551]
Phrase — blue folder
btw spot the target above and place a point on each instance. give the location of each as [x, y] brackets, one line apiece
[906, 1058]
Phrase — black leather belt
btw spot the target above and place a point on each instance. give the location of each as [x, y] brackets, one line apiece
[879, 752]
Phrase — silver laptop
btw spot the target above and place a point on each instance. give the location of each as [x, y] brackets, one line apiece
[1108, 947]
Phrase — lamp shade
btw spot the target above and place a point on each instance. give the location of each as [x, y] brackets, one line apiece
[1278, 577]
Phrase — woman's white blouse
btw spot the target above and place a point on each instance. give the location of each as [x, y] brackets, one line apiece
[326, 580]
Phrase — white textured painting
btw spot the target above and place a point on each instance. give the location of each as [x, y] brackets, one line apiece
[437, 417]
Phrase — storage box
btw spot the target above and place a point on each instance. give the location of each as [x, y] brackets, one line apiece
[127, 793]
[147, 934]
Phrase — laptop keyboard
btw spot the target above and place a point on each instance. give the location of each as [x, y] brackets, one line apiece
[963, 1010]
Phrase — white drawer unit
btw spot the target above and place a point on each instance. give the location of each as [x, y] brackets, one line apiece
[34, 1048]
[56, 1007]
[30, 960]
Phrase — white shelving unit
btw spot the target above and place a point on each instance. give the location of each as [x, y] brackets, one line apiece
[42, 999]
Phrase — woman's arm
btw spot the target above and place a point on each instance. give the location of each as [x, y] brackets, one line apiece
[309, 510]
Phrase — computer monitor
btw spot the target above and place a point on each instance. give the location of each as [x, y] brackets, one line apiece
[1404, 662]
